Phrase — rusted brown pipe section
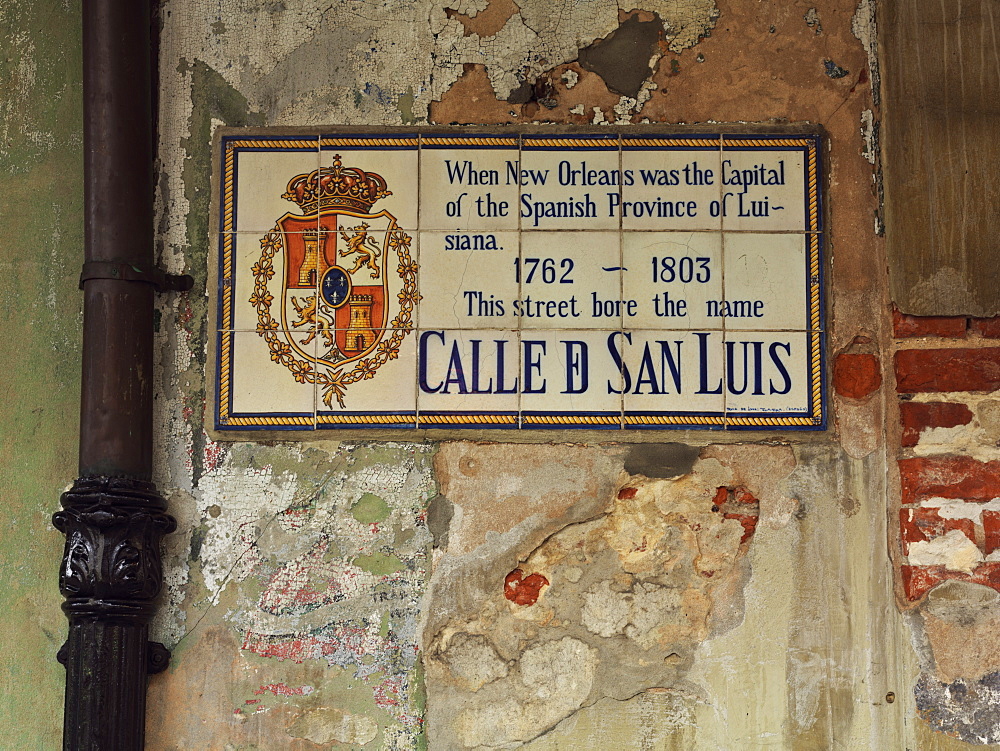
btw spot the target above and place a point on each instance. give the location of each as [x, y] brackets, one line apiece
[113, 517]
[116, 414]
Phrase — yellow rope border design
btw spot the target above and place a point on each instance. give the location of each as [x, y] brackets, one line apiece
[346, 419]
[815, 336]
[423, 420]
[466, 141]
[674, 420]
[299, 144]
[275, 421]
[571, 419]
[412, 141]
[600, 143]
[764, 140]
[225, 349]
[697, 142]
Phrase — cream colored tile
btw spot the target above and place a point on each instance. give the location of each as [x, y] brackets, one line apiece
[669, 187]
[765, 282]
[260, 385]
[465, 372]
[398, 167]
[261, 179]
[767, 373]
[252, 265]
[380, 388]
[576, 383]
[472, 187]
[672, 276]
[670, 376]
[468, 289]
[763, 189]
[566, 183]
[571, 280]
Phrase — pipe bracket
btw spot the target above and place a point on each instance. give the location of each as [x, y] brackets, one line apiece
[128, 272]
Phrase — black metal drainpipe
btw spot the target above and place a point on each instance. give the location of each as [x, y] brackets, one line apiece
[113, 517]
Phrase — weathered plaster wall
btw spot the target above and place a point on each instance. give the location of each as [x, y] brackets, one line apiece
[710, 592]
[41, 235]
[394, 595]
[696, 594]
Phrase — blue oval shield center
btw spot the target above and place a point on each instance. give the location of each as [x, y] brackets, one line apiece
[335, 287]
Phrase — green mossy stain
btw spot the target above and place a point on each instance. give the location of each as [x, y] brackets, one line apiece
[370, 509]
[41, 248]
[405, 106]
[198, 535]
[211, 98]
[379, 564]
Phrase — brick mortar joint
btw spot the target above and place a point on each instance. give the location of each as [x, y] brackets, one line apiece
[937, 343]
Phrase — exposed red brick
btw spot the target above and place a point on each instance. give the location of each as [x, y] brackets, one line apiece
[959, 369]
[988, 327]
[904, 326]
[917, 580]
[749, 524]
[721, 495]
[915, 416]
[856, 375]
[948, 477]
[523, 591]
[922, 524]
[626, 493]
[991, 531]
[742, 495]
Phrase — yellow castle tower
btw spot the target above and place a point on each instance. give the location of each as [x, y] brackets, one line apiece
[360, 335]
[314, 263]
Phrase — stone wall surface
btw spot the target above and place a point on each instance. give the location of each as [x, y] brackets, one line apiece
[707, 591]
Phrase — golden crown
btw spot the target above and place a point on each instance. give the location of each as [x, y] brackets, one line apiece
[336, 187]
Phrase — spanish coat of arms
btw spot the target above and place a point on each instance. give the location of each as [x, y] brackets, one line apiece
[347, 281]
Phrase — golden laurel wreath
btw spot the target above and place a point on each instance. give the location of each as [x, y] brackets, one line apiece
[333, 382]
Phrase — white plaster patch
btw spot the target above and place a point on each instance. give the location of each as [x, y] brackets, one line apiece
[394, 47]
[954, 550]
[868, 135]
[977, 439]
[470, 8]
[956, 508]
[247, 498]
[863, 26]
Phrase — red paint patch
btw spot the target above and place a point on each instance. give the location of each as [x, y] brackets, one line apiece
[280, 689]
[749, 525]
[924, 524]
[949, 477]
[916, 416]
[904, 326]
[855, 376]
[721, 496]
[626, 493]
[737, 503]
[523, 591]
[987, 327]
[934, 370]
[991, 531]
[918, 580]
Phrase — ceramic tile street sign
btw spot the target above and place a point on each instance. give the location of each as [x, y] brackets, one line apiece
[642, 280]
